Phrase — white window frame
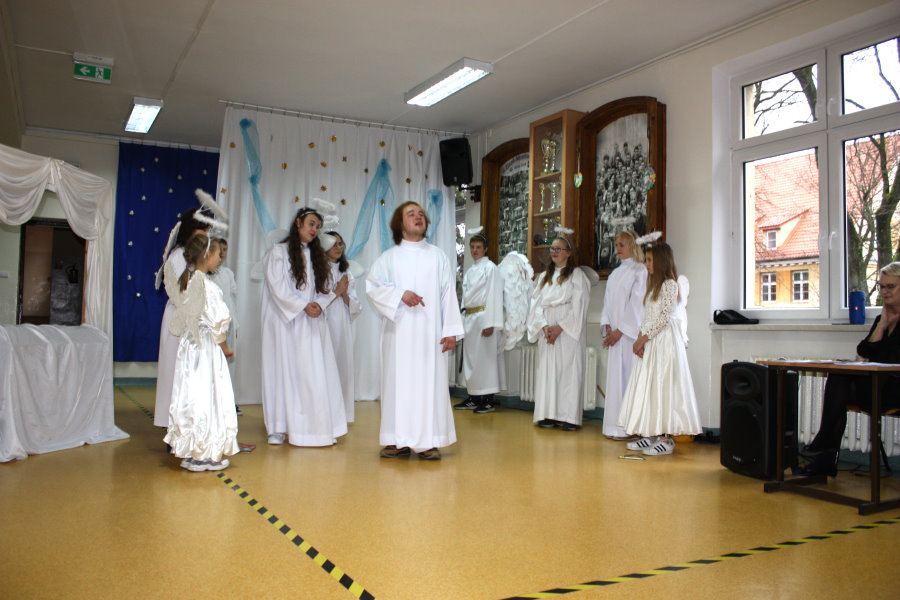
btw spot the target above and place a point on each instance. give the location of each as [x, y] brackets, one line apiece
[771, 239]
[802, 283]
[827, 134]
[771, 286]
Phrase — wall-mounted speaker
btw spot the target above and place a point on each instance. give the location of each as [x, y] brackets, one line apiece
[749, 412]
[456, 161]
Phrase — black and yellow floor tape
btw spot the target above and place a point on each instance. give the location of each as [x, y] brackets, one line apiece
[329, 567]
[143, 408]
[705, 561]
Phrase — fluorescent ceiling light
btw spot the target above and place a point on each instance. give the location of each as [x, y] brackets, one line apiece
[143, 114]
[463, 72]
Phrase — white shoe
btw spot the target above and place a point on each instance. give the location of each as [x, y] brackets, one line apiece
[642, 443]
[664, 445]
[186, 463]
[207, 465]
[276, 439]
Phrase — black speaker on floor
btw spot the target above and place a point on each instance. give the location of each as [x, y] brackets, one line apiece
[748, 440]
[456, 161]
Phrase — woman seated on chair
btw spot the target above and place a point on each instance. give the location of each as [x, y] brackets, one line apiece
[881, 345]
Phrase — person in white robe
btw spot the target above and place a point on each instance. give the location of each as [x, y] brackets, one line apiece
[224, 278]
[413, 288]
[301, 388]
[172, 269]
[202, 421]
[557, 321]
[483, 321]
[620, 322]
[340, 313]
[660, 402]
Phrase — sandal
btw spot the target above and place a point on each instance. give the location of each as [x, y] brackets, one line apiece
[393, 451]
[432, 454]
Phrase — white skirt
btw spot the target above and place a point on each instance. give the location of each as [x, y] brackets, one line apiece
[660, 396]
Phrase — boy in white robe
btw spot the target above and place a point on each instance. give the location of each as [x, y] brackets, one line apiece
[413, 287]
[483, 308]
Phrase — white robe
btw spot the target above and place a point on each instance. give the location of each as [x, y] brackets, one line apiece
[168, 343]
[301, 388]
[202, 419]
[340, 315]
[415, 395]
[224, 278]
[560, 369]
[623, 309]
[660, 397]
[483, 286]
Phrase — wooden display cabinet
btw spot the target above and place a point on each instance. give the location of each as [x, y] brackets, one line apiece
[552, 192]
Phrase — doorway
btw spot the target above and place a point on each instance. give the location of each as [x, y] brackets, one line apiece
[51, 274]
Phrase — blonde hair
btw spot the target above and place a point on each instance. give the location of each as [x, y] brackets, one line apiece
[630, 238]
[891, 269]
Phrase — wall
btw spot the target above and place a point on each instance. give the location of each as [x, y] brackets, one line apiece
[696, 208]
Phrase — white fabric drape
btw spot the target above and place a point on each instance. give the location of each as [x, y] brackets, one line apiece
[88, 204]
[303, 159]
[56, 389]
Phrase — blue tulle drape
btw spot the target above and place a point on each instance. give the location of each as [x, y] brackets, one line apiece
[434, 209]
[154, 186]
[254, 167]
[379, 197]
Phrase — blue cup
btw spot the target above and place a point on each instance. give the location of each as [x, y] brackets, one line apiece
[857, 308]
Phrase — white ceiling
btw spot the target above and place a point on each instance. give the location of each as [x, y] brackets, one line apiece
[352, 59]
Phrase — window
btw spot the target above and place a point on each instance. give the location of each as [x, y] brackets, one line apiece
[767, 287]
[819, 189]
[800, 286]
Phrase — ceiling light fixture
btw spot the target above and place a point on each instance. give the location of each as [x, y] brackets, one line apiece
[463, 72]
[143, 114]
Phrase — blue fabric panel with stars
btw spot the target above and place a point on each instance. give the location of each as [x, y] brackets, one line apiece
[155, 184]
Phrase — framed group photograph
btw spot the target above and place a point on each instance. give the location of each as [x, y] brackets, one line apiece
[504, 177]
[622, 156]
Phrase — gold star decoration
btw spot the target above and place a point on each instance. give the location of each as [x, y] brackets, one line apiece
[343, 201]
[324, 188]
[312, 144]
[366, 170]
[409, 147]
[283, 166]
[382, 202]
[381, 144]
[343, 159]
[420, 153]
[324, 164]
[334, 138]
[408, 180]
[296, 199]
[231, 145]
[222, 191]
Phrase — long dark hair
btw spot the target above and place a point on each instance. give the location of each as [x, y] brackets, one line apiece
[566, 271]
[663, 269]
[188, 226]
[321, 270]
[343, 263]
[195, 249]
[397, 221]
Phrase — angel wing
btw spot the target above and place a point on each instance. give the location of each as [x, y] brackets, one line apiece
[188, 306]
[517, 288]
[680, 313]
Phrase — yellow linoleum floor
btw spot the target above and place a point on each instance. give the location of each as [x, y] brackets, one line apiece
[511, 510]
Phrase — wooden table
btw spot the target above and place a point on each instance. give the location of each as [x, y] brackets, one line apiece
[798, 485]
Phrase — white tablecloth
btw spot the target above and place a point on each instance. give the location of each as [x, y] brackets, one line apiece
[56, 389]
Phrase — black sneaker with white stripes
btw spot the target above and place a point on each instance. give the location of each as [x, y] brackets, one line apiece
[469, 404]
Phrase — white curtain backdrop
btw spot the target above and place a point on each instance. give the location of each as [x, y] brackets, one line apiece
[302, 159]
[88, 203]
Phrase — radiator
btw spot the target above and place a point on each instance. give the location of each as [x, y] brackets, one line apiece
[856, 436]
[528, 369]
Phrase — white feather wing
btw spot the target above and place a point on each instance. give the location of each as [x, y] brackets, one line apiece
[517, 288]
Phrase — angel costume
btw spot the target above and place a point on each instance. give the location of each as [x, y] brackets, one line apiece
[168, 343]
[623, 309]
[202, 419]
[415, 391]
[301, 387]
[224, 278]
[560, 369]
[483, 306]
[660, 396]
[340, 315]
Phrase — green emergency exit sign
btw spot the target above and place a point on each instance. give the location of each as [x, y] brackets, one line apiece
[92, 73]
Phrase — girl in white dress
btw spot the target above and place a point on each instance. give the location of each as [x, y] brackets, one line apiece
[301, 389]
[620, 322]
[659, 401]
[202, 421]
[340, 313]
[557, 322]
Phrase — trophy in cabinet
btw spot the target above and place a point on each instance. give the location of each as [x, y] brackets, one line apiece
[549, 152]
